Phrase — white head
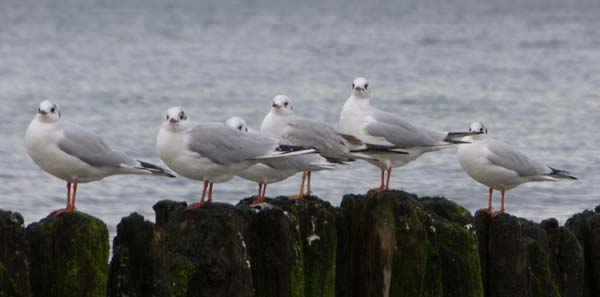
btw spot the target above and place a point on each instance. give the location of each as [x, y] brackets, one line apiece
[282, 105]
[360, 88]
[176, 118]
[478, 127]
[237, 123]
[48, 111]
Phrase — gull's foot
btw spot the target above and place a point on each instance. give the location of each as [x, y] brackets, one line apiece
[495, 214]
[297, 196]
[196, 205]
[258, 201]
[59, 212]
[376, 190]
[488, 210]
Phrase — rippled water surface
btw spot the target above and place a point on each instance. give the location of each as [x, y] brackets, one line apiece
[530, 72]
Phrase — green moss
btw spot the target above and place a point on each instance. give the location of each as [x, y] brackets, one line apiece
[460, 260]
[542, 283]
[78, 255]
[181, 271]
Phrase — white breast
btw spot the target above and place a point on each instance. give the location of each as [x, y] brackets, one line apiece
[171, 148]
[473, 161]
[42, 145]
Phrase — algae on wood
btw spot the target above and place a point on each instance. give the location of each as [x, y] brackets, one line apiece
[69, 256]
[14, 264]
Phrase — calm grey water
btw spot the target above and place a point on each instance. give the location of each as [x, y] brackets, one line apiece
[530, 70]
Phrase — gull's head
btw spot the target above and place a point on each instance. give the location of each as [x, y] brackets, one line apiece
[176, 117]
[282, 105]
[360, 87]
[237, 123]
[477, 127]
[48, 111]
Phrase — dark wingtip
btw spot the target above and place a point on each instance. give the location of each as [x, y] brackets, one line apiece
[562, 173]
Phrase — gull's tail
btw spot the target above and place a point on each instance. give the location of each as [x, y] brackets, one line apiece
[286, 151]
[562, 174]
[154, 169]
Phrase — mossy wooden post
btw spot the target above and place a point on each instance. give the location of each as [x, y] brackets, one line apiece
[141, 264]
[69, 256]
[14, 265]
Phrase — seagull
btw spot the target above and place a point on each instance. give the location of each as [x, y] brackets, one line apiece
[276, 170]
[500, 167]
[371, 125]
[76, 154]
[214, 152]
[281, 122]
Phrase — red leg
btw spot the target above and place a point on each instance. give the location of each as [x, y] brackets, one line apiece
[75, 182]
[389, 175]
[489, 209]
[501, 211]
[68, 194]
[382, 186]
[70, 200]
[210, 186]
[259, 198]
[202, 199]
[301, 194]
[264, 193]
[308, 190]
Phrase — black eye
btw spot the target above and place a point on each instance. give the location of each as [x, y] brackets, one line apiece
[240, 128]
[52, 110]
[285, 104]
[366, 86]
[353, 86]
[181, 115]
[167, 117]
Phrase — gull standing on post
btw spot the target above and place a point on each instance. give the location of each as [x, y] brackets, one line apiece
[213, 152]
[274, 171]
[500, 167]
[75, 154]
[371, 125]
[281, 122]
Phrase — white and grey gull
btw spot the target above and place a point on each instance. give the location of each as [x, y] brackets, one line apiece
[213, 152]
[76, 154]
[501, 167]
[377, 127]
[282, 122]
[273, 171]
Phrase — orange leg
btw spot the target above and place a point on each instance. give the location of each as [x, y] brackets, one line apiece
[301, 194]
[489, 209]
[202, 199]
[382, 186]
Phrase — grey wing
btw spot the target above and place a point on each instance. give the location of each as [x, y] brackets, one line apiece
[225, 145]
[503, 155]
[86, 146]
[402, 133]
[318, 135]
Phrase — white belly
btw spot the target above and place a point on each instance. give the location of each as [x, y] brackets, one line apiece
[471, 159]
[265, 174]
[170, 148]
[43, 150]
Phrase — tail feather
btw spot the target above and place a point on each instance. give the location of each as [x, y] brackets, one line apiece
[557, 173]
[154, 169]
[285, 153]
